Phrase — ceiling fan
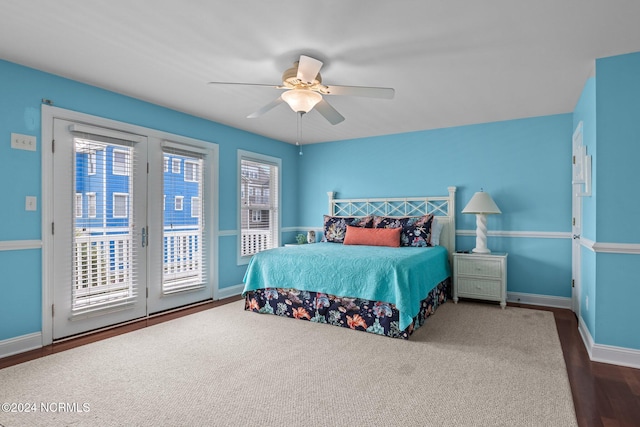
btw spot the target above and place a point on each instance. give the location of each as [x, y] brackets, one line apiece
[304, 91]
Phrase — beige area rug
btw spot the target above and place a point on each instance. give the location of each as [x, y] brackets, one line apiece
[470, 365]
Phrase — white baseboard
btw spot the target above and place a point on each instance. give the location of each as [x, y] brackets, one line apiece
[20, 344]
[607, 353]
[587, 339]
[535, 299]
[230, 291]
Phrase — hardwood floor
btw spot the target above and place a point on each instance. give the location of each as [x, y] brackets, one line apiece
[604, 395]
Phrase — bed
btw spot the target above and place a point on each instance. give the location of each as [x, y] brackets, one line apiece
[358, 283]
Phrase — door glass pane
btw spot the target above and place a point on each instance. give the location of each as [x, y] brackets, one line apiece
[103, 272]
[183, 226]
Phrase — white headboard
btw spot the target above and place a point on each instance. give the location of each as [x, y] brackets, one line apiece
[442, 207]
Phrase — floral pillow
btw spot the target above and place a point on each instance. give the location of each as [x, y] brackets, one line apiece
[415, 230]
[335, 227]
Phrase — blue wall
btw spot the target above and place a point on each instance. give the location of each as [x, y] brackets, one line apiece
[618, 199]
[22, 90]
[524, 164]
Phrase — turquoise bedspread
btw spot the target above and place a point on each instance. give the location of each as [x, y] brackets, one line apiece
[402, 276]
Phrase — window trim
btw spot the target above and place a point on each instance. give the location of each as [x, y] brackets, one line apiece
[126, 205]
[194, 174]
[195, 202]
[92, 162]
[176, 165]
[175, 203]
[92, 205]
[277, 233]
[126, 166]
[79, 207]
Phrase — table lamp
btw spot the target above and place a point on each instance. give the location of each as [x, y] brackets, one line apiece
[482, 205]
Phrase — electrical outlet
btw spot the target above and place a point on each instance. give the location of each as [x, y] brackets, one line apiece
[23, 142]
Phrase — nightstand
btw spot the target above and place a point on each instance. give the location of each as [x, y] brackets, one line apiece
[480, 276]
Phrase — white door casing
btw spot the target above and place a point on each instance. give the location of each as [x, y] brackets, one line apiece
[576, 222]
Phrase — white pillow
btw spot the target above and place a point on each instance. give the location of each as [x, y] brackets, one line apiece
[436, 228]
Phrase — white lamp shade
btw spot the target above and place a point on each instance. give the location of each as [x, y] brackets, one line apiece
[301, 100]
[481, 203]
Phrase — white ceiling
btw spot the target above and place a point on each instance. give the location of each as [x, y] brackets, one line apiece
[451, 62]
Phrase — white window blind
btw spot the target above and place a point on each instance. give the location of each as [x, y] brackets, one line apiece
[259, 203]
[184, 230]
[103, 251]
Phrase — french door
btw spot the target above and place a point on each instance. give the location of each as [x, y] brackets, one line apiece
[179, 228]
[131, 226]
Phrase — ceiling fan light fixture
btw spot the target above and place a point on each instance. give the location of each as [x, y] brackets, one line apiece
[301, 100]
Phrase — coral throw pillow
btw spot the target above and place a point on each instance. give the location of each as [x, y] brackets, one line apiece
[373, 236]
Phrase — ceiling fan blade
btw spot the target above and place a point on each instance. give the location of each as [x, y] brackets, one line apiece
[308, 69]
[266, 108]
[244, 84]
[370, 92]
[329, 113]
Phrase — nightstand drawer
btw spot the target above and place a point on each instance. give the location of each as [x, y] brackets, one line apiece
[479, 267]
[479, 288]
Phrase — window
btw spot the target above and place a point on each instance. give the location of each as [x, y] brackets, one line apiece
[166, 164]
[121, 165]
[120, 205]
[91, 163]
[178, 203]
[91, 205]
[258, 195]
[195, 207]
[175, 165]
[78, 205]
[190, 171]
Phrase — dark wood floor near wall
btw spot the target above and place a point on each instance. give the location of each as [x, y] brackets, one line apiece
[604, 395]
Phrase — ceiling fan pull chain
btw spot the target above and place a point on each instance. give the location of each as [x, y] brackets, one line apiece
[300, 113]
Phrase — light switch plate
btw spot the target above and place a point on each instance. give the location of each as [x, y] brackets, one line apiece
[23, 142]
[31, 203]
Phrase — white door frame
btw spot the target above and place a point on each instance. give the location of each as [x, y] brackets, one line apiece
[47, 118]
[576, 222]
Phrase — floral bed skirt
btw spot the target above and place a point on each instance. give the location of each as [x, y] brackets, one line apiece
[371, 316]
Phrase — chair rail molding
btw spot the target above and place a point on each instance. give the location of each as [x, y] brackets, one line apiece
[19, 245]
[611, 248]
[523, 234]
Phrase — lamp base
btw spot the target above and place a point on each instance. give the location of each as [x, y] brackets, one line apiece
[481, 250]
[481, 235]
